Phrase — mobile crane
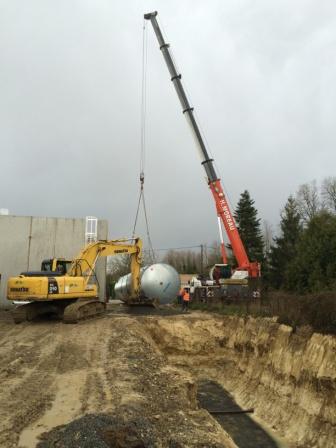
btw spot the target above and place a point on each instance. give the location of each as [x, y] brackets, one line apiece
[252, 269]
[72, 295]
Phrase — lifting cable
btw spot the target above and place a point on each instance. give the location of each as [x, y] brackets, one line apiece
[143, 145]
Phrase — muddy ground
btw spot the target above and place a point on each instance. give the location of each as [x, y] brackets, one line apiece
[52, 374]
[126, 380]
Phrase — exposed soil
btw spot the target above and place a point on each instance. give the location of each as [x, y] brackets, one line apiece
[108, 369]
[126, 380]
[287, 376]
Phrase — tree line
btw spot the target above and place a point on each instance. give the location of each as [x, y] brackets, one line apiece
[301, 258]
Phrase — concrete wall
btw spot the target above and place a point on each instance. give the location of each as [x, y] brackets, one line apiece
[25, 241]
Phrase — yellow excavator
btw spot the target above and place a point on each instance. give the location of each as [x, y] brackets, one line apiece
[72, 295]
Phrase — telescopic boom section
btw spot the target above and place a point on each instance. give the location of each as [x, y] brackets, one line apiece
[214, 182]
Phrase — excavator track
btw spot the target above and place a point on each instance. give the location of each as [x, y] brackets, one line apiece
[83, 309]
[72, 313]
[23, 313]
[29, 311]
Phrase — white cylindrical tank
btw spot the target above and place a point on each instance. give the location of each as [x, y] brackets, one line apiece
[159, 282]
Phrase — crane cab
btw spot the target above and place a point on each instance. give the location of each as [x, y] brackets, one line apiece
[220, 272]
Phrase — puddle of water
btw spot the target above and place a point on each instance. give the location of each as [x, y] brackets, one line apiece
[244, 430]
[64, 409]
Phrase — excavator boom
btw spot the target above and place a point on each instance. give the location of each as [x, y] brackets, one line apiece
[84, 264]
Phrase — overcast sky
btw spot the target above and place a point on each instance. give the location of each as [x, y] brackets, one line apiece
[261, 75]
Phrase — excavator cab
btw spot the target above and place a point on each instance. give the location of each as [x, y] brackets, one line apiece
[59, 265]
[53, 267]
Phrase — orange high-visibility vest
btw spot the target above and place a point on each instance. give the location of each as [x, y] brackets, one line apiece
[186, 296]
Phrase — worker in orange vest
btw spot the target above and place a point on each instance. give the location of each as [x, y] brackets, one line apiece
[185, 299]
[180, 296]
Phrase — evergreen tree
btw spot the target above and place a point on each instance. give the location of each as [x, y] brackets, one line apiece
[249, 227]
[313, 268]
[285, 248]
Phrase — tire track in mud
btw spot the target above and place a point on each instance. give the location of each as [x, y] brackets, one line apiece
[70, 363]
[27, 386]
[79, 380]
[93, 395]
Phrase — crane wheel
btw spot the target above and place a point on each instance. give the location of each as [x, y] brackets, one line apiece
[83, 309]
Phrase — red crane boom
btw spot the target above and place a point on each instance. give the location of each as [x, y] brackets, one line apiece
[222, 206]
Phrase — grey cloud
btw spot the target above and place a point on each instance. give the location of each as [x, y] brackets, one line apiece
[260, 74]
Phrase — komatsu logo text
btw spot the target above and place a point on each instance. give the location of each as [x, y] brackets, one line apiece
[19, 289]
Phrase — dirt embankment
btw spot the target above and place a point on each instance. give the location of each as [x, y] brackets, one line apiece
[289, 378]
[108, 370]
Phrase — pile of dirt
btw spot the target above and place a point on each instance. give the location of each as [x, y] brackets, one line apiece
[99, 431]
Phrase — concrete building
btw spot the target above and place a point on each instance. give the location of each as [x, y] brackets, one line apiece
[26, 240]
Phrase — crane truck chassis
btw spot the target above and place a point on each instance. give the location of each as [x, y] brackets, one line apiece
[72, 296]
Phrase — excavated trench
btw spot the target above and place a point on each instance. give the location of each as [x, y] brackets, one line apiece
[287, 377]
[131, 380]
[243, 430]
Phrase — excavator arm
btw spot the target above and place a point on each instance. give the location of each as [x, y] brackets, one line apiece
[84, 264]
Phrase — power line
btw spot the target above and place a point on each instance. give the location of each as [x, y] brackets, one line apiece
[199, 246]
[178, 248]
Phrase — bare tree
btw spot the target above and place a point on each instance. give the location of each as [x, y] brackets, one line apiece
[215, 254]
[328, 192]
[308, 201]
[117, 266]
[185, 262]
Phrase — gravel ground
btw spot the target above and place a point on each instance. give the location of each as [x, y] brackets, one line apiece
[99, 431]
